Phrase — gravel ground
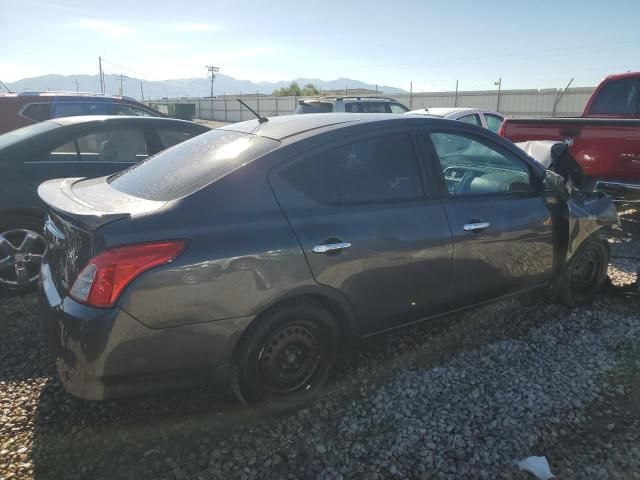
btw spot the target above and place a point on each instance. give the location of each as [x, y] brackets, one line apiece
[462, 397]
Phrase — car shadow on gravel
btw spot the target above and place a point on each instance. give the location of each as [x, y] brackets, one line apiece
[167, 435]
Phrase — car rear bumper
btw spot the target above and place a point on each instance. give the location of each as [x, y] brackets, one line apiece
[107, 353]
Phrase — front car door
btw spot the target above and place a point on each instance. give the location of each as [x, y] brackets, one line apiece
[499, 216]
[367, 228]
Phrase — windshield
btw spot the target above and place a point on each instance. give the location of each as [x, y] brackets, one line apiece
[189, 166]
[24, 133]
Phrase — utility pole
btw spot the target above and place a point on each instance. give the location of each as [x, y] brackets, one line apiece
[77, 83]
[499, 84]
[213, 71]
[122, 77]
[411, 96]
[101, 75]
[455, 100]
[141, 92]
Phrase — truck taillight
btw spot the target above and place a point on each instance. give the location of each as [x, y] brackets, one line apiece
[105, 277]
[503, 129]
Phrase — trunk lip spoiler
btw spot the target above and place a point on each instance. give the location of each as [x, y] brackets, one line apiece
[58, 195]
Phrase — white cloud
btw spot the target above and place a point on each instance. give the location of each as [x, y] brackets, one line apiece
[195, 27]
[112, 29]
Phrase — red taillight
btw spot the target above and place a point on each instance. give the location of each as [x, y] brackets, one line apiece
[107, 274]
[503, 129]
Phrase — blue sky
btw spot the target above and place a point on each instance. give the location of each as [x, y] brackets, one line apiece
[430, 43]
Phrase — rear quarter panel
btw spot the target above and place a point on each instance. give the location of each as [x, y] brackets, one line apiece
[242, 255]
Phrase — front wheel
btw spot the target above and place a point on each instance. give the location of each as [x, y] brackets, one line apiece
[586, 273]
[285, 359]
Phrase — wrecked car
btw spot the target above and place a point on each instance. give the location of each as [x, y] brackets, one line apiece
[249, 255]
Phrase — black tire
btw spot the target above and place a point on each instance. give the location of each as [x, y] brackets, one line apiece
[13, 223]
[284, 360]
[586, 273]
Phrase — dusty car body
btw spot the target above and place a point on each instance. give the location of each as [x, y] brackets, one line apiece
[276, 241]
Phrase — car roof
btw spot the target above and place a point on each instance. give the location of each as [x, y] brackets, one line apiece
[347, 98]
[64, 121]
[64, 93]
[282, 127]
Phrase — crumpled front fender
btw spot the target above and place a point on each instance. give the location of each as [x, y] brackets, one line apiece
[588, 213]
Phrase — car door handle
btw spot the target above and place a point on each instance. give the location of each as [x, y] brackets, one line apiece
[475, 226]
[330, 247]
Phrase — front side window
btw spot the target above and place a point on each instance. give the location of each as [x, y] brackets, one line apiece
[618, 97]
[471, 167]
[493, 122]
[124, 145]
[172, 136]
[373, 170]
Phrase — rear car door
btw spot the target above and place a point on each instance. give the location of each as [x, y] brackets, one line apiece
[367, 228]
[501, 225]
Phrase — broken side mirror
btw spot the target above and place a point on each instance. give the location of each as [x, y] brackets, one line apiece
[553, 182]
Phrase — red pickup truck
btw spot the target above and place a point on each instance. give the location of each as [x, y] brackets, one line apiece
[605, 140]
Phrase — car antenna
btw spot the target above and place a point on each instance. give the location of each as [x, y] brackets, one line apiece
[260, 119]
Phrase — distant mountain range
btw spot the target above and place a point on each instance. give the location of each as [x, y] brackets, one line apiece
[188, 87]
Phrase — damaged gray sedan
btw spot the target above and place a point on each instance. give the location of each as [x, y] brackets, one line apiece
[248, 256]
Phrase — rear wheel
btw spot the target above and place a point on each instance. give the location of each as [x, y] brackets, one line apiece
[21, 248]
[586, 273]
[285, 359]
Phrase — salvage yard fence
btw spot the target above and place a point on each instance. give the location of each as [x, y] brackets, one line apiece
[512, 103]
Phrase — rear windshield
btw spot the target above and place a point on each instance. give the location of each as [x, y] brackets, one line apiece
[314, 107]
[191, 165]
[15, 136]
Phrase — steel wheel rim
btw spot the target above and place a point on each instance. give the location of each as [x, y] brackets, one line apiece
[290, 359]
[585, 271]
[21, 253]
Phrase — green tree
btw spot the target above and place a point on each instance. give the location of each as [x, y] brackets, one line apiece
[294, 89]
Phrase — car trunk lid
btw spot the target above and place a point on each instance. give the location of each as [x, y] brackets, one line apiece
[77, 209]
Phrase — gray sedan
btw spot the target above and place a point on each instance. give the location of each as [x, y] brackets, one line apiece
[248, 255]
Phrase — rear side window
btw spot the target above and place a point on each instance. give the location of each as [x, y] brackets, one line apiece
[190, 166]
[122, 109]
[375, 107]
[314, 107]
[70, 109]
[493, 122]
[37, 111]
[398, 108]
[618, 96]
[125, 145]
[472, 119]
[373, 170]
